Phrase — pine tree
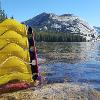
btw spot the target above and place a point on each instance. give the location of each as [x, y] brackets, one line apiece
[12, 17]
[3, 16]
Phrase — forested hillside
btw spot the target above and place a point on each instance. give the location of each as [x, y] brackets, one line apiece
[53, 36]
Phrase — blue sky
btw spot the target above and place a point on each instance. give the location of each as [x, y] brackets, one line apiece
[22, 10]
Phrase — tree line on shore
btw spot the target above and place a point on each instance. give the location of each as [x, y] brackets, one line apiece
[52, 36]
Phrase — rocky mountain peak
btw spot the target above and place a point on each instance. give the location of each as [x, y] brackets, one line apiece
[66, 23]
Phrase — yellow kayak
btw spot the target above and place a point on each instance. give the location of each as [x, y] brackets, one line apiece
[14, 64]
[14, 37]
[14, 52]
[11, 24]
[16, 76]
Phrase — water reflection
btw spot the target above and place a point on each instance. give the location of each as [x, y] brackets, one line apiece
[75, 62]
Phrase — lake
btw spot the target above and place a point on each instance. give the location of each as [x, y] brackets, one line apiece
[77, 62]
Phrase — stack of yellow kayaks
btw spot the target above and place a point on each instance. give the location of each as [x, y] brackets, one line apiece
[14, 53]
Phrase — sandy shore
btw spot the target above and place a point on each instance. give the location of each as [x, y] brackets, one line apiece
[56, 91]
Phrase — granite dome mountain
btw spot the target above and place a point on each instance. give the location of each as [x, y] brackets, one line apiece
[66, 23]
